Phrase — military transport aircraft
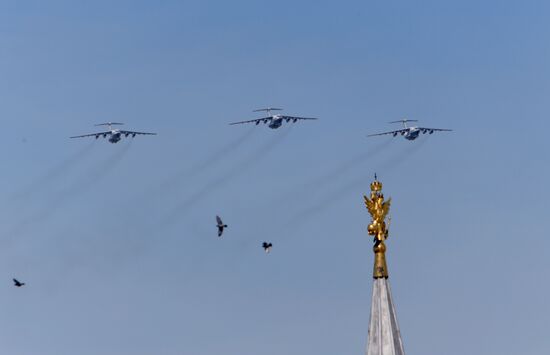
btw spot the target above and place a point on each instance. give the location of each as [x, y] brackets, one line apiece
[115, 135]
[410, 133]
[275, 121]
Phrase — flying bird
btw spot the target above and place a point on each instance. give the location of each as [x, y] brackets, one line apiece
[220, 226]
[17, 283]
[267, 246]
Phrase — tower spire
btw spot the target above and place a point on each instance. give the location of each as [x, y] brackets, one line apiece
[384, 335]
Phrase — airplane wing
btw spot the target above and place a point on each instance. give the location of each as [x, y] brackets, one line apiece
[424, 129]
[127, 133]
[394, 133]
[218, 220]
[294, 118]
[94, 134]
[257, 121]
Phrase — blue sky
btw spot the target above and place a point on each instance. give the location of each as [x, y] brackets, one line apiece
[117, 242]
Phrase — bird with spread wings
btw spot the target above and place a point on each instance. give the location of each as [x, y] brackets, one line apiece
[18, 283]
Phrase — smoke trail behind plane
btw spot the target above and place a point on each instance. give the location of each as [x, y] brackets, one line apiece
[202, 166]
[330, 198]
[401, 156]
[97, 172]
[181, 209]
[53, 174]
[308, 187]
[79, 186]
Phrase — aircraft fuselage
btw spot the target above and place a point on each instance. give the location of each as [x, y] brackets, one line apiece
[276, 122]
[412, 134]
[115, 136]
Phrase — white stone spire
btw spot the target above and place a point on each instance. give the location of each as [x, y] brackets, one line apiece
[384, 336]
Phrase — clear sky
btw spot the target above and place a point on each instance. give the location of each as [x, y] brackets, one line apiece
[118, 245]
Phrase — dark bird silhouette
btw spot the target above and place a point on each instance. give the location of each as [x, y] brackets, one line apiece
[267, 246]
[17, 283]
[220, 226]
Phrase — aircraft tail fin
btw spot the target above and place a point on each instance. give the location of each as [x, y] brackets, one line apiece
[110, 124]
[268, 110]
[404, 122]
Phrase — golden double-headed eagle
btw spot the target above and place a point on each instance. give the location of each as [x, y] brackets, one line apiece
[378, 209]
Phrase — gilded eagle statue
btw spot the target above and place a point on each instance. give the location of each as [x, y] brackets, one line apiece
[378, 209]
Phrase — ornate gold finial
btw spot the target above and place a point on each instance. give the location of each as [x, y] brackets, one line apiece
[378, 209]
